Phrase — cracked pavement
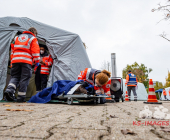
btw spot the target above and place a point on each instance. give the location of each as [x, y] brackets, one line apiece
[78, 122]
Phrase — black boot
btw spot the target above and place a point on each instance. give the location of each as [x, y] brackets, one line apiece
[8, 96]
[21, 98]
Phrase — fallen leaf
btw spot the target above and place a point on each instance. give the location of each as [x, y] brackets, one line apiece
[18, 110]
[127, 131]
[165, 129]
[7, 105]
[128, 113]
[113, 116]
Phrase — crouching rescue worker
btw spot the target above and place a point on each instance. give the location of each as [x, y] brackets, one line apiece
[25, 48]
[42, 71]
[99, 79]
[131, 82]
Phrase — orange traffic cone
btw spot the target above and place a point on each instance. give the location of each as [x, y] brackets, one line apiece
[126, 96]
[109, 99]
[152, 96]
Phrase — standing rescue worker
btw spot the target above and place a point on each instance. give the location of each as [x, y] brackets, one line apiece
[131, 82]
[42, 71]
[164, 93]
[99, 79]
[25, 48]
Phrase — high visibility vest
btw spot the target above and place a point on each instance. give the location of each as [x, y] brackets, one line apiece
[25, 49]
[48, 62]
[164, 92]
[132, 80]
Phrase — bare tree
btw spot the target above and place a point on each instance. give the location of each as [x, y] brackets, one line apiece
[165, 8]
[106, 65]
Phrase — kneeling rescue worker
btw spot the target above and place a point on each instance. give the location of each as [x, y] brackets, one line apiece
[42, 71]
[131, 82]
[99, 79]
[25, 48]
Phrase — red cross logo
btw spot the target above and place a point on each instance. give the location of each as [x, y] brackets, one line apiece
[23, 37]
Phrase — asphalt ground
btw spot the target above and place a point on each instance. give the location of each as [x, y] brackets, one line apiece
[110, 121]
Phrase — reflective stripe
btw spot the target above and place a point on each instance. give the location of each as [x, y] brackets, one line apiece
[22, 46]
[21, 93]
[19, 58]
[132, 77]
[35, 54]
[29, 42]
[22, 53]
[87, 76]
[15, 38]
[44, 71]
[11, 84]
[44, 68]
[88, 73]
[37, 58]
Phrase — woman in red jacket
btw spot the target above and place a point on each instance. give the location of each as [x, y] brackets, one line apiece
[42, 71]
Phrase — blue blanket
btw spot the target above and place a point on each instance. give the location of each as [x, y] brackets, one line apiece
[58, 88]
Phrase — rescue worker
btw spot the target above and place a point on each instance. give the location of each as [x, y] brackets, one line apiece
[25, 48]
[42, 71]
[164, 93]
[131, 82]
[99, 79]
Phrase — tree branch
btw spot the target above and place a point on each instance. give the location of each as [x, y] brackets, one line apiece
[163, 36]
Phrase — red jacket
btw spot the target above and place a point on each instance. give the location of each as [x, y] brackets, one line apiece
[164, 92]
[45, 68]
[89, 75]
[25, 49]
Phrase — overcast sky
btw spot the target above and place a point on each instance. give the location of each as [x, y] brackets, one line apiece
[125, 27]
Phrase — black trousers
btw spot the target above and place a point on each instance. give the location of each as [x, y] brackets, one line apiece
[133, 88]
[165, 96]
[20, 76]
[40, 80]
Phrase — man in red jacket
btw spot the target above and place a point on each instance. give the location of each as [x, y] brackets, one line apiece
[42, 71]
[25, 48]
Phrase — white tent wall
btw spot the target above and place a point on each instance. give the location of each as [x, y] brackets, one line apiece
[167, 92]
[6, 37]
[66, 49]
[141, 91]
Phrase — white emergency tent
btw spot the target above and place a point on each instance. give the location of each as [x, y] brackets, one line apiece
[141, 91]
[167, 92]
[66, 48]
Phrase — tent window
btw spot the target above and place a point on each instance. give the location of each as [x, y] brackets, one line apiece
[14, 25]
